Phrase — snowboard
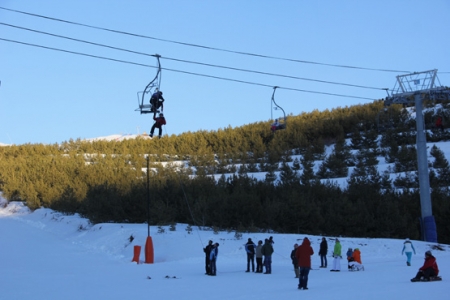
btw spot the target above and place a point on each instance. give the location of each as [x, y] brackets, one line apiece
[435, 278]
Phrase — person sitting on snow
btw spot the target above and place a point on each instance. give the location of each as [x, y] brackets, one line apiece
[349, 257]
[355, 263]
[429, 270]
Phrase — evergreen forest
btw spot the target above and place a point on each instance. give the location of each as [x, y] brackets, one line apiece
[205, 178]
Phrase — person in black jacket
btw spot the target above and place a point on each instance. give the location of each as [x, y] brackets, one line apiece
[323, 252]
[157, 101]
[250, 249]
[207, 251]
[295, 261]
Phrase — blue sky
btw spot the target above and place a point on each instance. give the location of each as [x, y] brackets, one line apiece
[50, 96]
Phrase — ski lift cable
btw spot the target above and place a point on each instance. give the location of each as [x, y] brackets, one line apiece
[190, 62]
[184, 72]
[202, 46]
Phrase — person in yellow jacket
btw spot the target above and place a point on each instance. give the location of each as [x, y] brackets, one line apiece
[337, 257]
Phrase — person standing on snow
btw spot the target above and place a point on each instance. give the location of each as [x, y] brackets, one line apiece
[337, 257]
[267, 251]
[250, 249]
[429, 270]
[408, 248]
[323, 252]
[303, 255]
[259, 257]
[213, 259]
[207, 251]
[295, 261]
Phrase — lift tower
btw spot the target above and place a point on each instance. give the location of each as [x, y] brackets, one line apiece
[413, 89]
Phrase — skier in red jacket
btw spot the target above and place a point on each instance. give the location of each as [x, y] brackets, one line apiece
[159, 122]
[429, 270]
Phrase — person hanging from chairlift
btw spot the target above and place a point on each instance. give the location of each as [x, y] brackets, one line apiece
[159, 122]
[439, 123]
[157, 101]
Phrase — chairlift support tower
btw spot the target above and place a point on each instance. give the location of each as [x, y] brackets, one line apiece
[414, 88]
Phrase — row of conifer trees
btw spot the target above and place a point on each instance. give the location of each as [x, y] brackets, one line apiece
[107, 181]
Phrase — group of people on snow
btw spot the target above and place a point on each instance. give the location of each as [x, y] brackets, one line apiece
[301, 259]
[259, 251]
[211, 254]
[354, 260]
[429, 271]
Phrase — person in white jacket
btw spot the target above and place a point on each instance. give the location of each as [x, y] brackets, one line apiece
[408, 248]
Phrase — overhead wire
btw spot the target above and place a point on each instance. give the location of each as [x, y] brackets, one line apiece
[190, 62]
[181, 71]
[201, 46]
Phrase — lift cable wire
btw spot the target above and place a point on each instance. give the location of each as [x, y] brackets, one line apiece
[184, 72]
[201, 46]
[191, 62]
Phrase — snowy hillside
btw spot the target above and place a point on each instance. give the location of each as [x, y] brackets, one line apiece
[47, 255]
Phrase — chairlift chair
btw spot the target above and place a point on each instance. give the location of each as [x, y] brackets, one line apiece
[282, 121]
[151, 88]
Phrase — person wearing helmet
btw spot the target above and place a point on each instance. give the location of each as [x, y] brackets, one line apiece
[157, 101]
[159, 122]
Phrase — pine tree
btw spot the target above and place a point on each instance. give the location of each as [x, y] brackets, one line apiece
[296, 165]
[406, 159]
[288, 176]
[336, 164]
[270, 175]
[307, 162]
[442, 165]
[356, 140]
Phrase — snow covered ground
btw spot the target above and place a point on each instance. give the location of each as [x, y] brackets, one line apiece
[47, 255]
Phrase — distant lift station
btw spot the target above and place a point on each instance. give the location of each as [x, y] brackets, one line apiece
[414, 88]
[152, 87]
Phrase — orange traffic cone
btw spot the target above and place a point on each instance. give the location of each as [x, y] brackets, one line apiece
[137, 253]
